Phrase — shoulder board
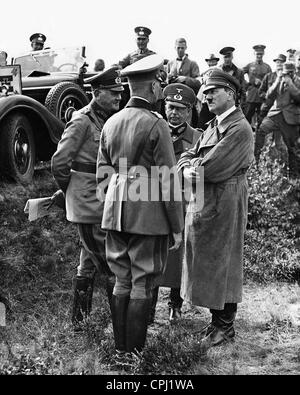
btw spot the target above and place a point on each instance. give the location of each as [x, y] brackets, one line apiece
[157, 114]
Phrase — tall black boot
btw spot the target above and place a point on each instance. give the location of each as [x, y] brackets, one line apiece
[82, 302]
[137, 324]
[153, 305]
[109, 286]
[119, 305]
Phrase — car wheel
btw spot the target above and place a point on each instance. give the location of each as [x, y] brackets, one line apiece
[65, 98]
[17, 148]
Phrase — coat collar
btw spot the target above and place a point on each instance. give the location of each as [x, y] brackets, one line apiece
[139, 103]
[210, 136]
[97, 113]
[186, 135]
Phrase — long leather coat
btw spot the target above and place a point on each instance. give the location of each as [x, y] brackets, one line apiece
[214, 234]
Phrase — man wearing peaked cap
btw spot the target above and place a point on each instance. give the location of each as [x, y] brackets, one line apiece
[256, 71]
[212, 273]
[229, 67]
[284, 116]
[138, 227]
[179, 100]
[37, 41]
[142, 40]
[74, 169]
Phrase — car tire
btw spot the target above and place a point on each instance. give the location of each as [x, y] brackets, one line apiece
[64, 98]
[17, 148]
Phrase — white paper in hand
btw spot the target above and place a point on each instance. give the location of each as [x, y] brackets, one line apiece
[37, 208]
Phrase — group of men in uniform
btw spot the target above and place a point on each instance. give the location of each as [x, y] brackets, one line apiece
[137, 244]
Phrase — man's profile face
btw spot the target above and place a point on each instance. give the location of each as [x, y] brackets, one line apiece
[180, 49]
[217, 100]
[37, 46]
[297, 61]
[228, 59]
[142, 42]
[259, 56]
[176, 115]
[107, 99]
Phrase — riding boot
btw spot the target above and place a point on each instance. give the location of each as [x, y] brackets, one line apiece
[153, 305]
[82, 302]
[137, 323]
[119, 305]
[109, 286]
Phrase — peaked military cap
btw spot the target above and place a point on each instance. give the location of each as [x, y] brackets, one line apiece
[142, 31]
[288, 67]
[108, 79]
[227, 50]
[259, 48]
[180, 95]
[144, 68]
[39, 37]
[292, 51]
[280, 57]
[218, 79]
[212, 57]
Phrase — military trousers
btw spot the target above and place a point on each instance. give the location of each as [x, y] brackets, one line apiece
[137, 262]
[290, 134]
[92, 254]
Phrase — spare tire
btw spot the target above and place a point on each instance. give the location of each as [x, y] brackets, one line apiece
[64, 98]
[17, 148]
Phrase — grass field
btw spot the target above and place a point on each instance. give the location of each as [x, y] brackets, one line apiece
[37, 263]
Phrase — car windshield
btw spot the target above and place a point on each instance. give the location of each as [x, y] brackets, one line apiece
[67, 60]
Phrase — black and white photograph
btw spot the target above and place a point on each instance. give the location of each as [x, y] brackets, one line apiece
[150, 191]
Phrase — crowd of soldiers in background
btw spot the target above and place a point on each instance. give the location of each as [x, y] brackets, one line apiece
[258, 95]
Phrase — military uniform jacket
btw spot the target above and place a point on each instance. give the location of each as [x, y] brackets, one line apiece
[122, 136]
[266, 83]
[286, 101]
[255, 70]
[189, 69]
[172, 273]
[214, 233]
[74, 164]
[135, 56]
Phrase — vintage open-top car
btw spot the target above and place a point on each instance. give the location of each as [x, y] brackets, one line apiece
[38, 94]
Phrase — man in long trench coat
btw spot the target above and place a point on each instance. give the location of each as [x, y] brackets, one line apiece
[212, 268]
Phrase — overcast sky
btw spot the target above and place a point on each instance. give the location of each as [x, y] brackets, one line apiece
[106, 27]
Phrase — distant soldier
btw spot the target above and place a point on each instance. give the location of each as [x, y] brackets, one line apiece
[284, 115]
[212, 60]
[256, 71]
[3, 58]
[291, 55]
[142, 40]
[37, 41]
[237, 73]
[183, 70]
[99, 65]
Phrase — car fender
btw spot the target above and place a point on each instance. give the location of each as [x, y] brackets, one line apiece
[35, 112]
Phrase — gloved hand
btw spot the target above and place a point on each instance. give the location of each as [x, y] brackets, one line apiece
[58, 198]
